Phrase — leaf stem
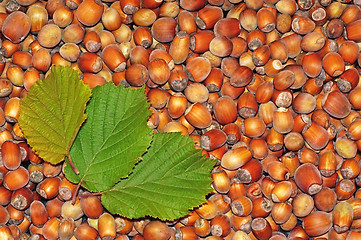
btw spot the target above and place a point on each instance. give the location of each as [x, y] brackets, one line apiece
[72, 165]
[75, 193]
[87, 194]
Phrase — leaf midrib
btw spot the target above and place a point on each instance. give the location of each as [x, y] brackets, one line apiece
[136, 183]
[94, 156]
[61, 108]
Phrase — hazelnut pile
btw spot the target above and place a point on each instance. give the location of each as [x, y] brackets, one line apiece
[269, 88]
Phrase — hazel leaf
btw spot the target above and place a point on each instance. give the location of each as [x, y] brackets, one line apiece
[52, 112]
[172, 178]
[112, 139]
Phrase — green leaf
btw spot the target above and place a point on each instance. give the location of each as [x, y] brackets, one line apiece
[52, 113]
[172, 178]
[112, 139]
